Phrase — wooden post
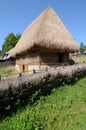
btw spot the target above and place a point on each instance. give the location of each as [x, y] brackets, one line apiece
[0, 77]
[46, 69]
[20, 74]
[34, 71]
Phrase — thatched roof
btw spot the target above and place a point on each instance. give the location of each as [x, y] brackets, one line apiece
[46, 31]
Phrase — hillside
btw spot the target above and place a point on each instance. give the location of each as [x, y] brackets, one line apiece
[63, 109]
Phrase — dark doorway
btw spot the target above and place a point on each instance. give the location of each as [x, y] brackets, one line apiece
[61, 57]
[23, 68]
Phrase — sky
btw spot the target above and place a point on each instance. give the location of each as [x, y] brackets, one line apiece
[16, 15]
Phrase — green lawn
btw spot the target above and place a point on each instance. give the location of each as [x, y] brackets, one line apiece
[63, 109]
[79, 58]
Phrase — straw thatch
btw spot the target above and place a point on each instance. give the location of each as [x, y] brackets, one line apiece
[46, 31]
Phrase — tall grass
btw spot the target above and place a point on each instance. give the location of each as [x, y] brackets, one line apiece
[79, 59]
[8, 71]
[63, 109]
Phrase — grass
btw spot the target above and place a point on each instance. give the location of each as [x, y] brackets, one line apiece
[79, 58]
[63, 109]
[8, 71]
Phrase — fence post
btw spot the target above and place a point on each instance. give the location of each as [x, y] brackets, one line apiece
[0, 77]
[34, 71]
[46, 69]
[20, 74]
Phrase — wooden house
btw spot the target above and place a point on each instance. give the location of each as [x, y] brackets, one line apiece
[46, 42]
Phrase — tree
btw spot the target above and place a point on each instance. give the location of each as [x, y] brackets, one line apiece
[82, 47]
[10, 42]
[0, 52]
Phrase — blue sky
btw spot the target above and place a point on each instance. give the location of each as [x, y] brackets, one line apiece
[16, 15]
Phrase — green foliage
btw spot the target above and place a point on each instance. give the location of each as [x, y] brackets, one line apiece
[0, 52]
[10, 42]
[63, 109]
[82, 47]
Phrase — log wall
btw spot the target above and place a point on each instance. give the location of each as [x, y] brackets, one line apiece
[28, 62]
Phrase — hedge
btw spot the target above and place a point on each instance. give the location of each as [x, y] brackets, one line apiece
[16, 91]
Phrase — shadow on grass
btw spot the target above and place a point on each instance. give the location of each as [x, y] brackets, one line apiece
[32, 96]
